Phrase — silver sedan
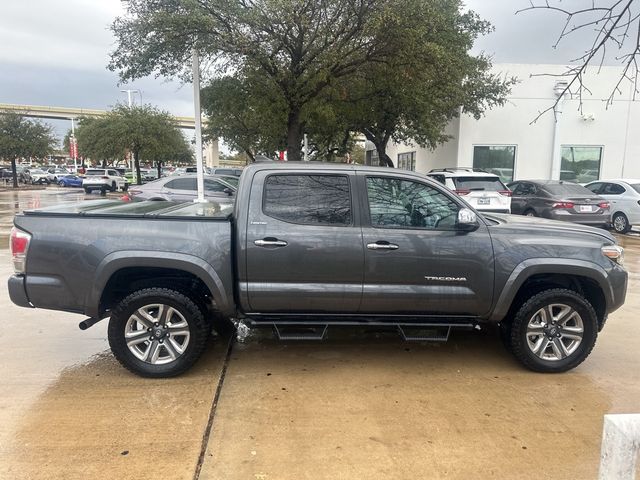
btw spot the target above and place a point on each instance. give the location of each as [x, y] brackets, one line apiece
[183, 188]
[624, 196]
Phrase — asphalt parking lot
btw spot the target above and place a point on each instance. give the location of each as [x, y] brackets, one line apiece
[350, 407]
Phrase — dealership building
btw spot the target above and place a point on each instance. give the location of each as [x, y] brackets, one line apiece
[600, 142]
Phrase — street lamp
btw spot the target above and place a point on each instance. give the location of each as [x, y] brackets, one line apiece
[559, 89]
[129, 92]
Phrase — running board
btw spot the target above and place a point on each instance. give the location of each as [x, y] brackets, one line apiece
[410, 333]
[300, 332]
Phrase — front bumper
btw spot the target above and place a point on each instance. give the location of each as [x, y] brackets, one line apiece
[17, 291]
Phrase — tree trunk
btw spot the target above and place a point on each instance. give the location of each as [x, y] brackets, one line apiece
[385, 160]
[294, 135]
[14, 173]
[159, 165]
[136, 163]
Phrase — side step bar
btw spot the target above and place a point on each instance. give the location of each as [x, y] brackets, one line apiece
[410, 333]
[300, 332]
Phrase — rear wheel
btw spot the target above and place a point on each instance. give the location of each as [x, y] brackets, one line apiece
[61, 183]
[621, 223]
[87, 190]
[114, 187]
[157, 332]
[554, 331]
[530, 213]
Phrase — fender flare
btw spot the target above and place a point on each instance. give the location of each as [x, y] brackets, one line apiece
[534, 266]
[178, 261]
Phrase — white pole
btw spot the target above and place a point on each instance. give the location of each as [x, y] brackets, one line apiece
[73, 148]
[196, 104]
[556, 155]
[306, 148]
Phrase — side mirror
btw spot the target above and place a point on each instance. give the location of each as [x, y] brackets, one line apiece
[467, 220]
[228, 191]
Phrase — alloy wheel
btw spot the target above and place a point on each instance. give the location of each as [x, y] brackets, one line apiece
[554, 332]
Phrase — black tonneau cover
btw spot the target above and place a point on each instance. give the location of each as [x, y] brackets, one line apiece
[147, 209]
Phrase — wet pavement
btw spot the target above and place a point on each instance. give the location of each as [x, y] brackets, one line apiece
[345, 408]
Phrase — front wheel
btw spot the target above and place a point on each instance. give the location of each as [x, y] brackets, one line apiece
[157, 332]
[61, 183]
[554, 331]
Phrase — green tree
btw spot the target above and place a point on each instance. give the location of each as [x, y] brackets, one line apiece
[429, 79]
[22, 138]
[141, 130]
[300, 47]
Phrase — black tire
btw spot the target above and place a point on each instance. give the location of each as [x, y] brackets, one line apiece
[114, 187]
[125, 187]
[620, 223]
[87, 190]
[103, 191]
[530, 213]
[519, 343]
[199, 330]
[61, 183]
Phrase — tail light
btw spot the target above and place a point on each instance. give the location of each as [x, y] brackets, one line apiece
[565, 205]
[19, 244]
[462, 192]
[506, 193]
[105, 178]
[604, 205]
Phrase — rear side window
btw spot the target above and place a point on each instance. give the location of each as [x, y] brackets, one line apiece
[182, 184]
[565, 189]
[612, 189]
[308, 199]
[486, 184]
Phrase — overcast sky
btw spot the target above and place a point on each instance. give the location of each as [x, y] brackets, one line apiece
[54, 52]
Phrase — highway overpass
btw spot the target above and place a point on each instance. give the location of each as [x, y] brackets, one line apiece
[66, 113]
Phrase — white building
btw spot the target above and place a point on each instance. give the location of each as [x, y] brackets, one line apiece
[599, 143]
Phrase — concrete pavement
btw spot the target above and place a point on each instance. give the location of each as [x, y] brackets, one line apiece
[342, 409]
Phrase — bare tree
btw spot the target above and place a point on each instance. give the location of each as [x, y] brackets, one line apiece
[616, 30]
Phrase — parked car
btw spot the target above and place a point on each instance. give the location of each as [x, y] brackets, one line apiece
[317, 247]
[23, 174]
[624, 197]
[57, 172]
[483, 191]
[184, 188]
[559, 200]
[70, 181]
[40, 177]
[104, 179]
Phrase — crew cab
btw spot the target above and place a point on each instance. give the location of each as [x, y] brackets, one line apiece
[313, 247]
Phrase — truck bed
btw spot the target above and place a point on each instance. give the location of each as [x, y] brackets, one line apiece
[72, 258]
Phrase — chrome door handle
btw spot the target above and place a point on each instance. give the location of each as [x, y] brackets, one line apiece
[382, 246]
[270, 243]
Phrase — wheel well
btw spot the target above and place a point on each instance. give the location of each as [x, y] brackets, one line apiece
[585, 286]
[128, 280]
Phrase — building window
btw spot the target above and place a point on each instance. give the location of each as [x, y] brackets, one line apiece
[580, 164]
[407, 161]
[372, 158]
[497, 159]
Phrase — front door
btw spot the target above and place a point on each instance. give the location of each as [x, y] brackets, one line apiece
[416, 261]
[304, 249]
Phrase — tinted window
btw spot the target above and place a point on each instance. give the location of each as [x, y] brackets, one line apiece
[594, 187]
[612, 189]
[95, 172]
[113, 173]
[498, 159]
[395, 203]
[308, 199]
[182, 184]
[438, 178]
[489, 184]
[566, 189]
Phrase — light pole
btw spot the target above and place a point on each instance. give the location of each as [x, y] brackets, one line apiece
[73, 148]
[195, 65]
[129, 92]
[556, 155]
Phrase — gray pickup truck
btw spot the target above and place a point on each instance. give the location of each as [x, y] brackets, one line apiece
[308, 246]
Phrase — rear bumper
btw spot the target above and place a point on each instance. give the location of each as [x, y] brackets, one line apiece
[597, 219]
[18, 292]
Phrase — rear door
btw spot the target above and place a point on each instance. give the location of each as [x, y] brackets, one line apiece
[180, 189]
[304, 250]
[416, 261]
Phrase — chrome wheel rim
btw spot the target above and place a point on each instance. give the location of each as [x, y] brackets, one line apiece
[157, 334]
[619, 223]
[555, 332]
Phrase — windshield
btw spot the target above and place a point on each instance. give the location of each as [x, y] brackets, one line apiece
[489, 184]
[568, 189]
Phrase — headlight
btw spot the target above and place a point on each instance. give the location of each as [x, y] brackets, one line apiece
[614, 252]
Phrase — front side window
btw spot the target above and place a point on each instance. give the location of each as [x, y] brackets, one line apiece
[396, 203]
[308, 199]
[214, 186]
[580, 164]
[497, 159]
[407, 161]
[595, 187]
